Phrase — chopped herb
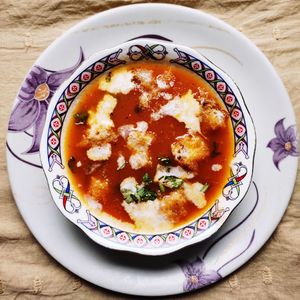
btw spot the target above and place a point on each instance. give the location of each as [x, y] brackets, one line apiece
[204, 188]
[161, 187]
[72, 163]
[108, 77]
[171, 181]
[81, 117]
[215, 151]
[165, 161]
[142, 194]
[135, 198]
[146, 179]
[128, 196]
[121, 167]
[146, 194]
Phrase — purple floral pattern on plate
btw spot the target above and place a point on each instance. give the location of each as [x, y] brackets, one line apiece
[33, 100]
[196, 273]
[284, 144]
[197, 276]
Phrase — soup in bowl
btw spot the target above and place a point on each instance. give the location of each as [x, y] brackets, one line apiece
[148, 147]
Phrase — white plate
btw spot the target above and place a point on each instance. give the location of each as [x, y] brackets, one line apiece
[252, 222]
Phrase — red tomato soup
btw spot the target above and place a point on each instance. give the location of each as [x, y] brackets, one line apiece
[148, 146]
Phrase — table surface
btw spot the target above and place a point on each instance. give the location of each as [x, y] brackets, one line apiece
[26, 29]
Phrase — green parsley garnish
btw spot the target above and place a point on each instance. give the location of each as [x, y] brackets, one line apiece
[142, 194]
[146, 194]
[171, 181]
[161, 187]
[204, 188]
[146, 179]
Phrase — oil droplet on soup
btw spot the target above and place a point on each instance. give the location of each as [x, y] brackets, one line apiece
[148, 146]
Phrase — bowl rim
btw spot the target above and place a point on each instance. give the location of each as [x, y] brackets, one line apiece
[87, 63]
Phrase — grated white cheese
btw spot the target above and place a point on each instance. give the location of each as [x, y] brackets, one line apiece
[119, 82]
[185, 109]
[99, 152]
[165, 80]
[216, 167]
[138, 160]
[100, 122]
[79, 164]
[144, 75]
[145, 99]
[215, 117]
[161, 83]
[166, 96]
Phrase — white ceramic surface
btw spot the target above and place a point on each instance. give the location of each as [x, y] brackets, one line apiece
[252, 222]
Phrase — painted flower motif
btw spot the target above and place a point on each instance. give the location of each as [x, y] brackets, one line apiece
[196, 275]
[33, 100]
[284, 144]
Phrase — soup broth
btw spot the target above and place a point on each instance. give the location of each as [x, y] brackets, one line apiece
[148, 146]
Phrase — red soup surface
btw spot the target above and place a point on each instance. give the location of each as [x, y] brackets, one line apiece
[148, 146]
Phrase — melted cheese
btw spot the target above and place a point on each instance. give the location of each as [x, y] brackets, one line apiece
[98, 188]
[215, 117]
[97, 153]
[138, 141]
[189, 149]
[121, 162]
[172, 206]
[144, 75]
[185, 109]
[147, 216]
[192, 192]
[216, 167]
[119, 82]
[129, 184]
[99, 122]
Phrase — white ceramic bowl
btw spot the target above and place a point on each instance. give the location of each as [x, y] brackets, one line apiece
[64, 194]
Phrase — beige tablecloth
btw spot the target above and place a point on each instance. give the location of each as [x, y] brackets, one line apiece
[26, 29]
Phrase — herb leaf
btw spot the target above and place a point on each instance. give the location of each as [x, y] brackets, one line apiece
[165, 161]
[146, 179]
[161, 187]
[121, 167]
[81, 117]
[171, 181]
[204, 188]
[128, 196]
[142, 194]
[146, 194]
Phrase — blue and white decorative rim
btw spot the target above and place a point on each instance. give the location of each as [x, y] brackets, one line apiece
[242, 161]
